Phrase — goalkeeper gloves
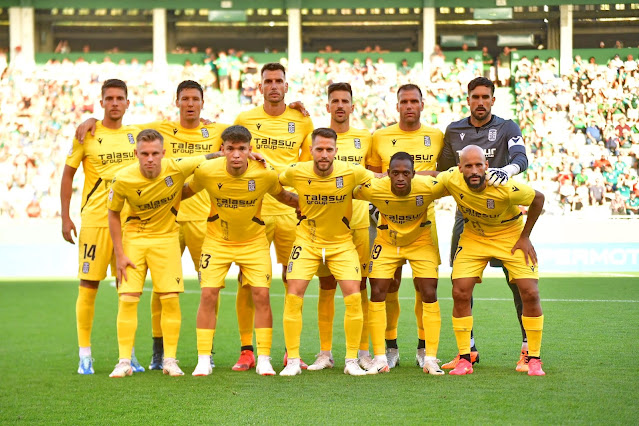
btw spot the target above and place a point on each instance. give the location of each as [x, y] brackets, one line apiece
[500, 176]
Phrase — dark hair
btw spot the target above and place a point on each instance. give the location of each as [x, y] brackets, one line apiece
[401, 155]
[481, 81]
[114, 83]
[189, 84]
[236, 134]
[409, 86]
[344, 87]
[149, 135]
[324, 132]
[273, 66]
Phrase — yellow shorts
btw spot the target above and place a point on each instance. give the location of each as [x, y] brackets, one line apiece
[280, 230]
[95, 253]
[342, 261]
[192, 234]
[474, 252]
[360, 239]
[421, 254]
[162, 257]
[254, 258]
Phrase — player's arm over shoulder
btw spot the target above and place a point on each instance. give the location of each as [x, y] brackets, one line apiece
[446, 158]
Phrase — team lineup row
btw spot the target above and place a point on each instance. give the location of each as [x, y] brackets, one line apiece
[239, 204]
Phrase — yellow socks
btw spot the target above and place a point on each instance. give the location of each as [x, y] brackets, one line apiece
[127, 322]
[245, 313]
[156, 315]
[534, 327]
[353, 320]
[363, 340]
[377, 326]
[419, 315]
[171, 322]
[84, 312]
[325, 315]
[462, 327]
[263, 340]
[204, 340]
[293, 324]
[392, 315]
[432, 325]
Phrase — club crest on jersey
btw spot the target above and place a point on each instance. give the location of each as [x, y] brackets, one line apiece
[339, 182]
[426, 140]
[131, 138]
[492, 135]
[291, 127]
[419, 200]
[490, 203]
[251, 185]
[358, 143]
[168, 181]
[205, 132]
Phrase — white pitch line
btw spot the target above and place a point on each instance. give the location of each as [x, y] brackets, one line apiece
[490, 299]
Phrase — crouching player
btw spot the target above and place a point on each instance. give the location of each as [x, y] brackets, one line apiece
[494, 229]
[404, 234]
[153, 189]
[236, 233]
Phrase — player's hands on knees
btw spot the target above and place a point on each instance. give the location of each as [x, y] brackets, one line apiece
[257, 157]
[121, 264]
[67, 227]
[497, 177]
[87, 126]
[299, 106]
[524, 244]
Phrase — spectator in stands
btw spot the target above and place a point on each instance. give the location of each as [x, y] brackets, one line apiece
[618, 205]
[632, 204]
[593, 133]
[503, 67]
[487, 62]
[597, 191]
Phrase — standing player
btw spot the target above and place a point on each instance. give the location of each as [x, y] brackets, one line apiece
[495, 230]
[353, 145]
[324, 236]
[102, 155]
[152, 188]
[235, 233]
[404, 235]
[186, 138]
[424, 144]
[279, 134]
[505, 151]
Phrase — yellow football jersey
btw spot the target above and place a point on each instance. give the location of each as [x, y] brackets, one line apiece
[181, 142]
[101, 156]
[281, 140]
[354, 146]
[325, 202]
[402, 219]
[424, 145]
[236, 201]
[494, 212]
[153, 203]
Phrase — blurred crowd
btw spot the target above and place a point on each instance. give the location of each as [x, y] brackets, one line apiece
[582, 131]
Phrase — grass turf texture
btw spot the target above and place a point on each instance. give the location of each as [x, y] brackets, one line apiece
[588, 350]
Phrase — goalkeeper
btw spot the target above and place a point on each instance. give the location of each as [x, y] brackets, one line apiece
[505, 152]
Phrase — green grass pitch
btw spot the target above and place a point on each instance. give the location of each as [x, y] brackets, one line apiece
[589, 353]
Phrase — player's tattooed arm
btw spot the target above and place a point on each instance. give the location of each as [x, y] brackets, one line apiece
[212, 155]
[85, 127]
[288, 198]
[523, 243]
[121, 260]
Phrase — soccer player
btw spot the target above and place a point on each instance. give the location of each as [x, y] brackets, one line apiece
[186, 138]
[279, 134]
[324, 236]
[424, 144]
[404, 235]
[353, 145]
[102, 155]
[152, 189]
[495, 229]
[504, 148]
[236, 233]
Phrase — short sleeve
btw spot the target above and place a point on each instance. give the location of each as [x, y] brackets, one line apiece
[75, 155]
[520, 194]
[187, 165]
[196, 184]
[288, 175]
[374, 159]
[362, 175]
[305, 150]
[115, 199]
[363, 192]
[275, 187]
